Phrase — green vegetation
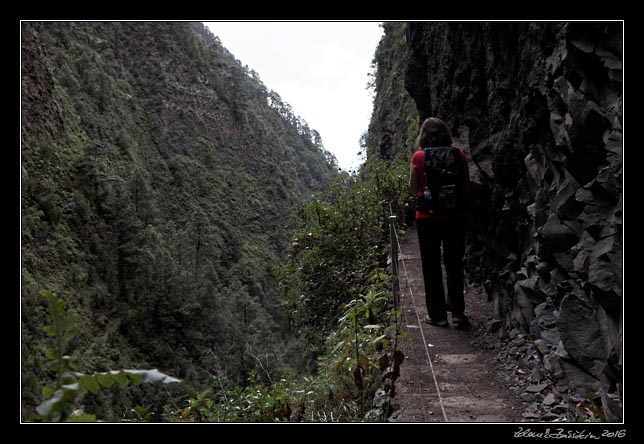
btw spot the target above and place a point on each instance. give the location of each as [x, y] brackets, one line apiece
[341, 390]
[335, 290]
[394, 122]
[70, 386]
[158, 177]
[357, 342]
[338, 244]
[194, 224]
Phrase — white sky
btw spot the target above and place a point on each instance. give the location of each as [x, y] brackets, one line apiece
[320, 68]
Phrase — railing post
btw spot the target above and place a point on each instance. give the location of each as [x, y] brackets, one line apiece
[393, 253]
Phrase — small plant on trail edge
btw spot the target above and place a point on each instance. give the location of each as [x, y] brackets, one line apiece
[587, 410]
[70, 386]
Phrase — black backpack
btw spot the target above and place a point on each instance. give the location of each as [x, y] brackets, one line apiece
[444, 179]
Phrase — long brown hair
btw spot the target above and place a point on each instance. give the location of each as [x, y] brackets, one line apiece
[433, 132]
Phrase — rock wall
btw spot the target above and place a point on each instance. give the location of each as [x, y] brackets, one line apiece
[394, 120]
[538, 108]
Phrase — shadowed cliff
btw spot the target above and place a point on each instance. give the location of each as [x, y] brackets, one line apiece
[538, 109]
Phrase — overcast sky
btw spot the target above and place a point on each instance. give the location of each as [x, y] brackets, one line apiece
[320, 68]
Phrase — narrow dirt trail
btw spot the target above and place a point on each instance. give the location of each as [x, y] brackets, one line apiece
[461, 383]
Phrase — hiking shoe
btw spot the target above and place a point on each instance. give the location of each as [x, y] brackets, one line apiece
[460, 321]
[440, 323]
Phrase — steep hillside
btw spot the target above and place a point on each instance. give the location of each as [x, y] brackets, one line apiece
[394, 121]
[158, 179]
[538, 108]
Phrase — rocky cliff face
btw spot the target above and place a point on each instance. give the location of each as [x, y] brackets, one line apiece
[538, 108]
[394, 122]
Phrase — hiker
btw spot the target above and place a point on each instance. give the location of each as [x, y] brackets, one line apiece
[439, 178]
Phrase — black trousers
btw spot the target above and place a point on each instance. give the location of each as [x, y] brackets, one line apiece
[450, 234]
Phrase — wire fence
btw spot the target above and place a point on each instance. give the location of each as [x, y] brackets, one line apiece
[396, 255]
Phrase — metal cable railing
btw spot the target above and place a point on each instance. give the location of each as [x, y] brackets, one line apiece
[395, 249]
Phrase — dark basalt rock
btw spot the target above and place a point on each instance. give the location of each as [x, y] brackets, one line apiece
[582, 335]
[538, 107]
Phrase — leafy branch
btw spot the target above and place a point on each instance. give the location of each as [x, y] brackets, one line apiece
[71, 386]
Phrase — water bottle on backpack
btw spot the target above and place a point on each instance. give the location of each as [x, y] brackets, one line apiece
[427, 194]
